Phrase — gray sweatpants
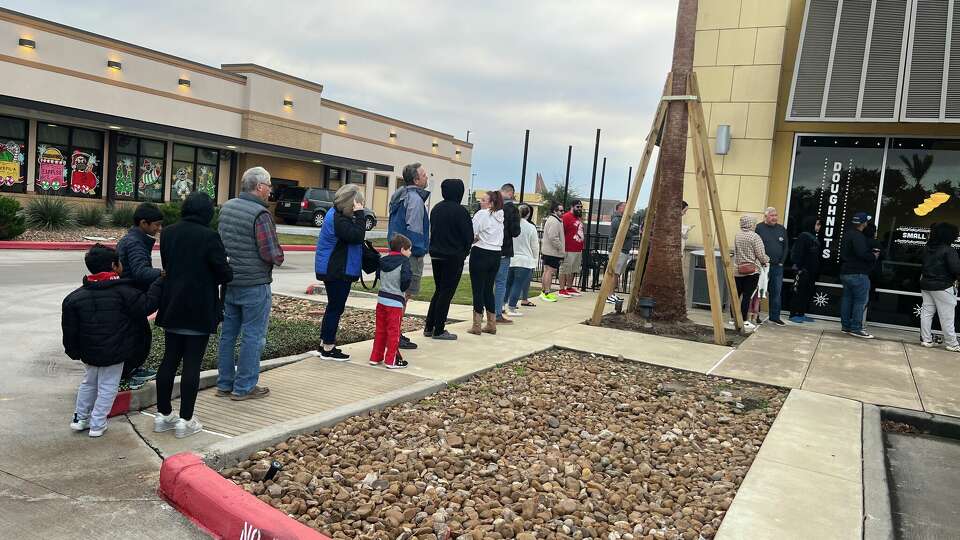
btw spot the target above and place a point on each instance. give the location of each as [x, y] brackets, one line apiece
[942, 303]
[96, 393]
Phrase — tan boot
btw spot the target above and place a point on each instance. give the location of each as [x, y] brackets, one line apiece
[477, 319]
[491, 326]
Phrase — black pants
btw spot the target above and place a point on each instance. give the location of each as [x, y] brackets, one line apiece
[446, 275]
[189, 350]
[337, 293]
[802, 293]
[484, 264]
[746, 285]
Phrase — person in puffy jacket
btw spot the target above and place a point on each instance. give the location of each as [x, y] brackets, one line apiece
[485, 260]
[105, 326]
[451, 235]
[748, 257]
[941, 269]
[409, 217]
[526, 251]
[805, 255]
[338, 262]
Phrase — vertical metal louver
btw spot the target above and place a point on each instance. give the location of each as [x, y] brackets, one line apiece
[952, 105]
[810, 76]
[925, 65]
[884, 63]
[848, 57]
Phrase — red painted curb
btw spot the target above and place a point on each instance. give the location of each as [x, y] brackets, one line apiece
[121, 404]
[221, 507]
[83, 246]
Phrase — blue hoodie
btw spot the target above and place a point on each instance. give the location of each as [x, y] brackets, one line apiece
[409, 217]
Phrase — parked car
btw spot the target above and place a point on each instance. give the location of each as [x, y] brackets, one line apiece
[310, 205]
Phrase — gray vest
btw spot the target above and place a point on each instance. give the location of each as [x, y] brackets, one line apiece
[239, 234]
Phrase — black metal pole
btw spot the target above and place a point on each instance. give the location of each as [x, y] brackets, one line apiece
[523, 172]
[603, 174]
[586, 245]
[566, 183]
[629, 178]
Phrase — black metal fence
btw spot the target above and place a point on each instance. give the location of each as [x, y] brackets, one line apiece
[595, 263]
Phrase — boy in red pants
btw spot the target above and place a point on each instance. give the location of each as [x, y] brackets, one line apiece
[395, 276]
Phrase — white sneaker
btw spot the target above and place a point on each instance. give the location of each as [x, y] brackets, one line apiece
[953, 349]
[514, 312]
[927, 344]
[97, 432]
[749, 326]
[187, 428]
[80, 425]
[163, 423]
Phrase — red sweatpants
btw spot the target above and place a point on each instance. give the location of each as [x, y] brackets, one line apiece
[387, 336]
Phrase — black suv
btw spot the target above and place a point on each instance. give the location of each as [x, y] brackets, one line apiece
[299, 205]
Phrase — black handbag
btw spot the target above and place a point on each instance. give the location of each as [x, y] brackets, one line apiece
[370, 264]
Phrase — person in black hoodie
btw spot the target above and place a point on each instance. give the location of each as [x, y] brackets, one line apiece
[511, 230]
[857, 261]
[805, 255]
[941, 269]
[451, 235]
[105, 326]
[196, 267]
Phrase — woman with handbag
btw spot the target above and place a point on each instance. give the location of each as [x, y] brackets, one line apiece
[748, 257]
[339, 262]
[941, 268]
[805, 255]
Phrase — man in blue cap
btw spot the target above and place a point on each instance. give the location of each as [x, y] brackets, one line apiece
[857, 260]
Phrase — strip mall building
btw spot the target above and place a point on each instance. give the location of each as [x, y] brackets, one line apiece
[834, 107]
[97, 119]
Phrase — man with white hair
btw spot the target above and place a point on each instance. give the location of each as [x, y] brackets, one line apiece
[253, 249]
[774, 238]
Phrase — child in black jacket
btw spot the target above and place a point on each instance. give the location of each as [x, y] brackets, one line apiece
[104, 326]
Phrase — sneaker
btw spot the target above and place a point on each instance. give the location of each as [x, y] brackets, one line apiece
[163, 423]
[445, 336]
[954, 348]
[612, 299]
[778, 322]
[808, 319]
[334, 354]
[398, 363]
[845, 330]
[564, 293]
[97, 432]
[749, 326]
[144, 374]
[186, 428]
[860, 334]
[527, 303]
[256, 393]
[927, 344]
[572, 291]
[797, 320]
[375, 362]
[514, 312]
[405, 343]
[80, 425]
[223, 393]
[427, 332]
[548, 297]
[133, 384]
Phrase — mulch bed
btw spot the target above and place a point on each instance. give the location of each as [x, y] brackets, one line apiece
[892, 426]
[73, 234]
[558, 445]
[687, 330]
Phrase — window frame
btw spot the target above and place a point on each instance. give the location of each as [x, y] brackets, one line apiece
[195, 164]
[70, 149]
[25, 146]
[139, 156]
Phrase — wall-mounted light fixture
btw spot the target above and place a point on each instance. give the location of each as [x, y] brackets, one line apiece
[393, 134]
[342, 122]
[436, 144]
[113, 64]
[184, 82]
[723, 140]
[288, 103]
[458, 152]
[28, 43]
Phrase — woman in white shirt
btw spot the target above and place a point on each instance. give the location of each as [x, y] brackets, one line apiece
[526, 252]
[485, 260]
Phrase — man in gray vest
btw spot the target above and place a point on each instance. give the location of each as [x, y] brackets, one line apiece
[253, 249]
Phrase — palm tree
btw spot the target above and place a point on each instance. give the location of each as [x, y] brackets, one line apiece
[917, 168]
[663, 279]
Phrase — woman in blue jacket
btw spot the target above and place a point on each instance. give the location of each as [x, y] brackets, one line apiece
[338, 262]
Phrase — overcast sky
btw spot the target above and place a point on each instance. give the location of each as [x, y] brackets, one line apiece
[560, 68]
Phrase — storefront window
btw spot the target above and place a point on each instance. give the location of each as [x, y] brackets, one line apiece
[355, 177]
[13, 147]
[194, 169]
[69, 161]
[140, 169]
[382, 180]
[332, 178]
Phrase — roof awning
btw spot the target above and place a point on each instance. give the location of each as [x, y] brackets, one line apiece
[200, 137]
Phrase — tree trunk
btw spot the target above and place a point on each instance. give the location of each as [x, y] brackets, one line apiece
[663, 279]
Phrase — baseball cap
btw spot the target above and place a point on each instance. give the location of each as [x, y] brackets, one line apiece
[860, 218]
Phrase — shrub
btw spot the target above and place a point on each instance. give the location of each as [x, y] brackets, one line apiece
[12, 223]
[50, 213]
[215, 222]
[171, 213]
[90, 216]
[122, 216]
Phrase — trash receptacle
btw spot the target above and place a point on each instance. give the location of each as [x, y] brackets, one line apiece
[698, 292]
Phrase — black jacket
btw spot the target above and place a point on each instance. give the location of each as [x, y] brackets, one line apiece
[105, 322]
[632, 232]
[856, 257]
[941, 268]
[196, 264]
[135, 250]
[511, 227]
[451, 230]
[805, 253]
[339, 254]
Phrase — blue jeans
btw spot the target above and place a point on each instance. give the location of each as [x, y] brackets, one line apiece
[856, 289]
[246, 311]
[519, 285]
[775, 290]
[500, 285]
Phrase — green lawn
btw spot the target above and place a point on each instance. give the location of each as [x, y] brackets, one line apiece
[464, 294]
[306, 240]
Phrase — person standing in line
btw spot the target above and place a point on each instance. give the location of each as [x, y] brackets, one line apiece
[684, 235]
[409, 217]
[623, 261]
[805, 255]
[775, 244]
[394, 279]
[103, 327]
[870, 233]
[451, 235]
[526, 251]
[748, 258]
[856, 262]
[941, 269]
[552, 250]
[250, 238]
[338, 262]
[511, 230]
[485, 260]
[195, 263]
[573, 246]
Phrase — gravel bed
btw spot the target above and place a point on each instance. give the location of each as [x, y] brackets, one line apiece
[73, 234]
[558, 445]
[355, 324]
